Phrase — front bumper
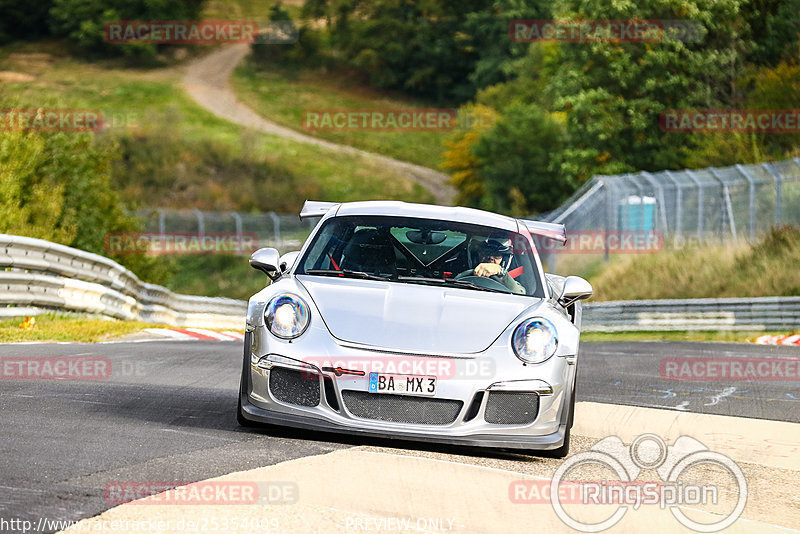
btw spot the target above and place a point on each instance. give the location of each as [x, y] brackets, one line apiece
[328, 409]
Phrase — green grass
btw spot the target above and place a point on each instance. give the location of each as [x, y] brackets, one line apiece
[283, 94]
[153, 103]
[248, 9]
[61, 328]
[720, 336]
[766, 268]
[177, 155]
[216, 276]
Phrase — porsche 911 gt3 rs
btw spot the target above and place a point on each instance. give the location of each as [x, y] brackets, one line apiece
[418, 322]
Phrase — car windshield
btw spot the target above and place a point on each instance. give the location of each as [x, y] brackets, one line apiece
[423, 251]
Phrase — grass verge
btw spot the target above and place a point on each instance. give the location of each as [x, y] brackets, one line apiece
[52, 327]
[765, 268]
[282, 94]
[176, 154]
[719, 336]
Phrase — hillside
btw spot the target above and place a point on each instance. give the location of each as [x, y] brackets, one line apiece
[766, 268]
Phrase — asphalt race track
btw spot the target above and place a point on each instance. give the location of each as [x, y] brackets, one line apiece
[167, 413]
[630, 373]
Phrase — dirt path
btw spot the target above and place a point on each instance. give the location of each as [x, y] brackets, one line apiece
[207, 82]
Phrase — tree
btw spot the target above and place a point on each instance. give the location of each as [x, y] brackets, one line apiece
[82, 21]
[23, 20]
[56, 186]
[520, 160]
[459, 158]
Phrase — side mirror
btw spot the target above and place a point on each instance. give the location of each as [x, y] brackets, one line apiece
[287, 260]
[267, 260]
[575, 288]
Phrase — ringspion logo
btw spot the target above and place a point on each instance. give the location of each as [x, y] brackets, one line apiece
[646, 452]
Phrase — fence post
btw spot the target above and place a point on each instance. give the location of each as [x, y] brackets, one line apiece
[276, 227]
[752, 208]
[778, 183]
[162, 223]
[691, 175]
[201, 225]
[726, 200]
[238, 222]
[678, 204]
[608, 216]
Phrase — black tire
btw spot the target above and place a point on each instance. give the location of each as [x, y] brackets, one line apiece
[240, 416]
[239, 412]
[563, 450]
[560, 452]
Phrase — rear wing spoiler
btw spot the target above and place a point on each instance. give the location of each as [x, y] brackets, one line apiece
[554, 231]
[316, 208]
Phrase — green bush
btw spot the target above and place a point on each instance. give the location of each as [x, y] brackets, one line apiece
[57, 187]
[82, 21]
[23, 20]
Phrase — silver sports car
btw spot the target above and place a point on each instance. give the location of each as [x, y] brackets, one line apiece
[418, 322]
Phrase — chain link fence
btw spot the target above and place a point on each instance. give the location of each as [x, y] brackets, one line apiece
[283, 231]
[714, 205]
[724, 205]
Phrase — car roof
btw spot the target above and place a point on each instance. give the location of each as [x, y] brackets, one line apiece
[428, 211]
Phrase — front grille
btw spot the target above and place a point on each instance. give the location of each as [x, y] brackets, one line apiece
[510, 408]
[294, 387]
[401, 408]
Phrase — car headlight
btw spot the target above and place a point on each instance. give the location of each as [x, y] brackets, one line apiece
[535, 340]
[286, 316]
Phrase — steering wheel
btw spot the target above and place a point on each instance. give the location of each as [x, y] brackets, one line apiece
[492, 282]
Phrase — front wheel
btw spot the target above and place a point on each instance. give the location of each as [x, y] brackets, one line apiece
[563, 450]
[560, 452]
[239, 411]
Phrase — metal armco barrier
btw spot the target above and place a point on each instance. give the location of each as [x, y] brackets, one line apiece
[40, 274]
[754, 314]
[48, 275]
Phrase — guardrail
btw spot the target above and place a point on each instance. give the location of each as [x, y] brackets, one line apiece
[39, 273]
[752, 314]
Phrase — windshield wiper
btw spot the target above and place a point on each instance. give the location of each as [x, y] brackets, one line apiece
[450, 281]
[347, 273]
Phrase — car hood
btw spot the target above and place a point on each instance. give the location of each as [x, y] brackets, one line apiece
[412, 317]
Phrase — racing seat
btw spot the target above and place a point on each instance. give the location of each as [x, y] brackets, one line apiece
[370, 251]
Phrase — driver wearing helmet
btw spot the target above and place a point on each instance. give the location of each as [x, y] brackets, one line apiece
[492, 254]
